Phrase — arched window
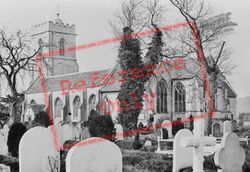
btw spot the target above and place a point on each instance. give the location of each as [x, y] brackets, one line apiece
[105, 106]
[92, 102]
[179, 98]
[62, 46]
[162, 97]
[76, 107]
[58, 108]
[40, 44]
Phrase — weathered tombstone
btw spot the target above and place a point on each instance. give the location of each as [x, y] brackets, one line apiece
[76, 133]
[119, 132]
[230, 156]
[4, 168]
[182, 156]
[37, 151]
[67, 132]
[3, 146]
[227, 127]
[216, 130]
[148, 143]
[94, 154]
[167, 125]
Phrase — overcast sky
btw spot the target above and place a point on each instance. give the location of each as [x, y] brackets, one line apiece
[91, 18]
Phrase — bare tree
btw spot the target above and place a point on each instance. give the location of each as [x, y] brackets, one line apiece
[138, 15]
[16, 58]
[209, 33]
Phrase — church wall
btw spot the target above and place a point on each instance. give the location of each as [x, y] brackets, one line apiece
[55, 95]
[233, 107]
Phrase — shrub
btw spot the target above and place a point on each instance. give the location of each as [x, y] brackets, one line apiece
[41, 119]
[15, 134]
[102, 126]
[137, 145]
[146, 161]
[10, 161]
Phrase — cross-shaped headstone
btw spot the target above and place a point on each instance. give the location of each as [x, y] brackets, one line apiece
[198, 141]
[230, 156]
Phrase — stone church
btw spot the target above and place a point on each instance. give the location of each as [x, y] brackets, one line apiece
[169, 94]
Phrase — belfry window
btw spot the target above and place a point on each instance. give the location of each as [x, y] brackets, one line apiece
[62, 46]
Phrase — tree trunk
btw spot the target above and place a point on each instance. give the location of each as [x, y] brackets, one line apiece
[213, 90]
[15, 112]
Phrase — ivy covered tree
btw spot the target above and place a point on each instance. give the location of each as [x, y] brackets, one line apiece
[137, 70]
[136, 76]
[132, 89]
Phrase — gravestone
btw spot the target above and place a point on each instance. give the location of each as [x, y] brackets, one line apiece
[230, 156]
[5, 132]
[67, 132]
[3, 146]
[119, 132]
[166, 125]
[94, 155]
[4, 168]
[216, 131]
[227, 127]
[148, 143]
[75, 133]
[37, 151]
[182, 156]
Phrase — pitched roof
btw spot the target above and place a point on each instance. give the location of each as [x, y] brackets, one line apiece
[53, 83]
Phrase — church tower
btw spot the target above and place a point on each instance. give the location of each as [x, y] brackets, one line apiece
[56, 36]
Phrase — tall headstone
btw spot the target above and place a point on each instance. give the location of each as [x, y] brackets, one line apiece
[94, 154]
[119, 132]
[230, 156]
[37, 151]
[168, 126]
[3, 146]
[182, 156]
[227, 127]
